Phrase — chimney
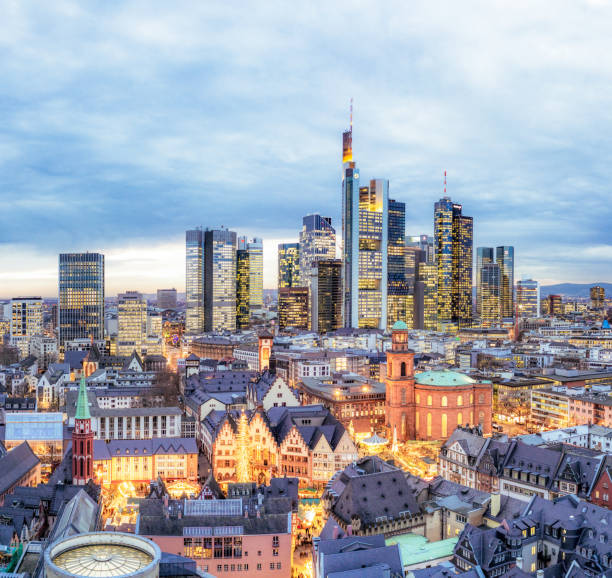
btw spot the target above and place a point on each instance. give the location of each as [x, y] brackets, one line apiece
[519, 562]
[495, 504]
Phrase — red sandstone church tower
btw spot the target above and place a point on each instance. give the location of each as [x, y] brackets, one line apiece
[82, 440]
[266, 339]
[400, 385]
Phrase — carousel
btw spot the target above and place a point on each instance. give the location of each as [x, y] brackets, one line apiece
[375, 444]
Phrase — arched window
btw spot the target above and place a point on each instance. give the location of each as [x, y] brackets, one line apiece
[444, 425]
[429, 401]
[390, 369]
[418, 398]
[481, 398]
[471, 398]
[459, 418]
[403, 396]
[471, 418]
[416, 421]
[481, 417]
[444, 401]
[429, 425]
[403, 430]
[403, 369]
[459, 400]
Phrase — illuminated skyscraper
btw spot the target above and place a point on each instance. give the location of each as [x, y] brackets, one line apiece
[317, 241]
[26, 321]
[598, 297]
[528, 298]
[255, 249]
[131, 323]
[293, 307]
[243, 309]
[484, 256]
[555, 305]
[490, 294]
[194, 281]
[425, 293]
[505, 260]
[399, 298]
[288, 265]
[326, 296]
[81, 296]
[443, 236]
[220, 280]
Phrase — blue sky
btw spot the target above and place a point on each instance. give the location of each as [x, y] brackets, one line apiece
[124, 123]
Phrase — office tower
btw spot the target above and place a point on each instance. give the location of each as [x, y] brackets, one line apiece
[26, 321]
[293, 307]
[220, 280]
[425, 294]
[317, 241]
[490, 294]
[484, 256]
[243, 309]
[598, 297]
[399, 299]
[528, 298]
[255, 249]
[505, 259]
[131, 323]
[326, 296]
[166, 298]
[288, 265]
[194, 281]
[453, 233]
[81, 296]
[555, 305]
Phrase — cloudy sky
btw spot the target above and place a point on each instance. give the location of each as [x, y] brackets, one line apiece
[124, 123]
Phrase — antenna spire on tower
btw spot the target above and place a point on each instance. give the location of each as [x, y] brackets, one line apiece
[444, 183]
[351, 114]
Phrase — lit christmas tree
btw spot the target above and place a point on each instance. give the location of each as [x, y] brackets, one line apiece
[242, 449]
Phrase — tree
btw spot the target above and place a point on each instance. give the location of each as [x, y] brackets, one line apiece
[168, 383]
[242, 449]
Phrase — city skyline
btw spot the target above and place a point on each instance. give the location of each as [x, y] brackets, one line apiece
[88, 145]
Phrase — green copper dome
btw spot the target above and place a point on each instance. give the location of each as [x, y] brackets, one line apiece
[82, 408]
[443, 378]
[399, 326]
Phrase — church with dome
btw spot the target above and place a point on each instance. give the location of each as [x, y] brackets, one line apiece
[430, 405]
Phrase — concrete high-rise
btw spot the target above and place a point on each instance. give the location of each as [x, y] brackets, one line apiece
[166, 298]
[26, 321]
[255, 249]
[220, 280]
[598, 297]
[288, 265]
[81, 296]
[490, 295]
[317, 241]
[293, 308]
[194, 281]
[243, 307]
[484, 256]
[528, 298]
[326, 296]
[425, 293]
[504, 256]
[131, 323]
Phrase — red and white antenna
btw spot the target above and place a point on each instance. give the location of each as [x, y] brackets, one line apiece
[351, 114]
[444, 183]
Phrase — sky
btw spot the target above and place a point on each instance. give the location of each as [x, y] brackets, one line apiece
[126, 123]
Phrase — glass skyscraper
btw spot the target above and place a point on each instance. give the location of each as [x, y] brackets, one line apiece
[505, 259]
[326, 296]
[220, 280]
[288, 265]
[484, 256]
[443, 248]
[255, 249]
[81, 296]
[243, 308]
[194, 281]
[490, 308]
[528, 298]
[317, 241]
[293, 307]
[399, 298]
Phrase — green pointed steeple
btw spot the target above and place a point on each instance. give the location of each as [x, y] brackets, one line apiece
[82, 408]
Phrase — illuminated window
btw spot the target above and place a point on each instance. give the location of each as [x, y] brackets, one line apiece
[444, 401]
[418, 398]
[429, 425]
[460, 400]
[459, 418]
[444, 425]
[429, 400]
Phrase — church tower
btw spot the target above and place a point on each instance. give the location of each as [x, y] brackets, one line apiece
[82, 440]
[400, 406]
[266, 339]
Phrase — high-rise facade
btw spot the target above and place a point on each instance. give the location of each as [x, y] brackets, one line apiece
[194, 281]
[399, 297]
[288, 265]
[504, 257]
[453, 235]
[25, 322]
[293, 308]
[528, 298]
[317, 241]
[255, 249]
[326, 296]
[220, 280]
[166, 298]
[81, 296]
[243, 307]
[598, 297]
[484, 256]
[490, 295]
[131, 323]
[425, 293]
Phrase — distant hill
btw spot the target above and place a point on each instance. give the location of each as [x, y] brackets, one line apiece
[574, 289]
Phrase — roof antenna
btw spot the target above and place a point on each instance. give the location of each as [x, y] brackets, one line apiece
[445, 183]
[351, 114]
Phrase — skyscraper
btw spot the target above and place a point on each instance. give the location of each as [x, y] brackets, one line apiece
[484, 256]
[505, 259]
[598, 297]
[326, 296]
[288, 265]
[528, 298]
[255, 249]
[81, 296]
[426, 296]
[243, 309]
[166, 298]
[490, 294]
[131, 323]
[293, 307]
[399, 299]
[453, 233]
[220, 280]
[317, 241]
[194, 281]
[26, 321]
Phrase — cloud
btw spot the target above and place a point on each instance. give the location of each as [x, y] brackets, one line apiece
[125, 124]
